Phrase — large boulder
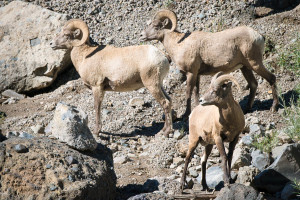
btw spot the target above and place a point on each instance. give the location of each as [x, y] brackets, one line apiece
[27, 61]
[284, 169]
[238, 192]
[42, 168]
[70, 125]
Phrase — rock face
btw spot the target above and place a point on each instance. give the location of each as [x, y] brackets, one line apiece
[70, 125]
[52, 170]
[284, 169]
[237, 192]
[27, 62]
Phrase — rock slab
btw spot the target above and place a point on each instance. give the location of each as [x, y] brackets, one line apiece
[238, 192]
[70, 125]
[284, 169]
[27, 61]
[45, 171]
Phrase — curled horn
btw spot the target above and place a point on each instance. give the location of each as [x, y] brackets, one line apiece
[216, 76]
[225, 77]
[74, 24]
[163, 14]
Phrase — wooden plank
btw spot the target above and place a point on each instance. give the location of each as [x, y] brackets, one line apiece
[196, 195]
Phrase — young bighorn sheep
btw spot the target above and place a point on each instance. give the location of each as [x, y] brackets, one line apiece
[201, 53]
[218, 119]
[107, 68]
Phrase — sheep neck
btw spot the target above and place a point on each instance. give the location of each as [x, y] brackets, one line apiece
[226, 110]
[170, 42]
[78, 55]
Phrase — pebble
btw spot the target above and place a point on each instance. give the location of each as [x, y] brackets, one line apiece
[121, 159]
[178, 134]
[20, 148]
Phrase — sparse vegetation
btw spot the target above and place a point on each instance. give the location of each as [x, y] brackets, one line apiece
[296, 185]
[169, 4]
[291, 115]
[2, 117]
[265, 143]
[290, 57]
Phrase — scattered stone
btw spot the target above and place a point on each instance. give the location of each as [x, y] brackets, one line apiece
[10, 100]
[284, 169]
[214, 177]
[260, 160]
[11, 93]
[50, 106]
[38, 129]
[239, 191]
[240, 158]
[193, 173]
[136, 102]
[20, 148]
[246, 140]
[121, 159]
[276, 151]
[25, 135]
[178, 134]
[255, 129]
[70, 125]
[246, 175]
[284, 138]
[178, 161]
[70, 160]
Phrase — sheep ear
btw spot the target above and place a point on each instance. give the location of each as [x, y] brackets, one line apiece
[165, 22]
[226, 85]
[76, 33]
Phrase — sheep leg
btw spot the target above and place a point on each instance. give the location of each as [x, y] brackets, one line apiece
[190, 83]
[192, 147]
[204, 158]
[221, 148]
[196, 90]
[173, 113]
[98, 93]
[260, 69]
[230, 153]
[163, 100]
[252, 84]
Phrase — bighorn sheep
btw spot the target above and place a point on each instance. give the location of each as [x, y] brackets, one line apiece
[202, 53]
[218, 119]
[107, 68]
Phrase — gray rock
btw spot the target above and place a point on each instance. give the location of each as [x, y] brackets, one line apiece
[276, 151]
[193, 173]
[25, 135]
[260, 160]
[121, 159]
[27, 62]
[38, 129]
[178, 134]
[70, 125]
[11, 93]
[20, 148]
[255, 129]
[246, 175]
[240, 158]
[289, 192]
[284, 169]
[44, 166]
[136, 102]
[246, 140]
[238, 192]
[214, 177]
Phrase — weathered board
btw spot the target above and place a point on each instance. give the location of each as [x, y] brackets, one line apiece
[196, 195]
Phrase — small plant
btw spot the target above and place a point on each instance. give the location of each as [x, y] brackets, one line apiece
[2, 117]
[220, 24]
[296, 186]
[290, 57]
[265, 143]
[291, 115]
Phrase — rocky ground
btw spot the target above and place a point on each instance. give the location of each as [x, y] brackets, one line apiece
[145, 161]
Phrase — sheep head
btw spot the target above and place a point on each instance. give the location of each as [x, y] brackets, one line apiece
[73, 34]
[220, 89]
[162, 21]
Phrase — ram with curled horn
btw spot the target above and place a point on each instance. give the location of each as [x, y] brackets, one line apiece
[204, 53]
[218, 119]
[107, 68]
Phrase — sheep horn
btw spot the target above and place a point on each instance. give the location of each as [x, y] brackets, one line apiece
[226, 77]
[216, 76]
[163, 14]
[78, 24]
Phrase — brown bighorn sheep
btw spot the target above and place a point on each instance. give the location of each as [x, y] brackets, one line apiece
[201, 53]
[218, 119]
[107, 68]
